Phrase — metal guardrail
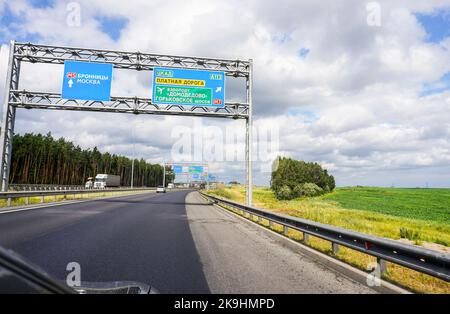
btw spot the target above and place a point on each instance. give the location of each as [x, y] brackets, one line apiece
[43, 187]
[27, 194]
[422, 260]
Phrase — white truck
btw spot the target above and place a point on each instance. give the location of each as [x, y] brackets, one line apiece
[103, 181]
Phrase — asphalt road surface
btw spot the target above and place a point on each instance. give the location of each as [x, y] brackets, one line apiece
[175, 242]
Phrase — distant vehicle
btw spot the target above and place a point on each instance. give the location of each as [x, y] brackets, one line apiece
[160, 189]
[103, 181]
[170, 186]
[89, 183]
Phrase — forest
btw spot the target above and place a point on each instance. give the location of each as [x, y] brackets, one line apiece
[42, 159]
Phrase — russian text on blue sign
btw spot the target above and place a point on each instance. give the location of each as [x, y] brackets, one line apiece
[173, 86]
[87, 81]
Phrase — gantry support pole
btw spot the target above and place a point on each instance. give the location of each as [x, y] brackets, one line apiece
[9, 112]
[248, 137]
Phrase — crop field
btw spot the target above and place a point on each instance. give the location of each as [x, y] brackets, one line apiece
[424, 204]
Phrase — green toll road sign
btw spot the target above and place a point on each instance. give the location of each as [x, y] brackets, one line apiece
[172, 86]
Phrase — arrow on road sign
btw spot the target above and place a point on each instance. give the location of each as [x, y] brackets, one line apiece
[70, 82]
[218, 89]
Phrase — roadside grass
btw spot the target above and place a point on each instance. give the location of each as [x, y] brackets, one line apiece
[330, 212]
[370, 222]
[21, 201]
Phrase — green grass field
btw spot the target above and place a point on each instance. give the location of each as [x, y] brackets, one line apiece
[424, 204]
[419, 215]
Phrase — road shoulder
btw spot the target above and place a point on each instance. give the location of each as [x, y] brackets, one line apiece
[241, 258]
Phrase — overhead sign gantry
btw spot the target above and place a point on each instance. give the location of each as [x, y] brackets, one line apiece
[189, 86]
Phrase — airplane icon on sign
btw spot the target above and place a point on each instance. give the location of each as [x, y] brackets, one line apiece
[159, 89]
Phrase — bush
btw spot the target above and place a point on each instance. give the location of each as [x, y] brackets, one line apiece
[311, 189]
[298, 190]
[285, 193]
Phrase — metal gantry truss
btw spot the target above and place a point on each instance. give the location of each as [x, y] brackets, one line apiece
[39, 100]
[33, 53]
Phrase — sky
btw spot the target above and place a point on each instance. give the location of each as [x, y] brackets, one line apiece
[363, 88]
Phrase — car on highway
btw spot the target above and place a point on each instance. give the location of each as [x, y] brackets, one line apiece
[160, 189]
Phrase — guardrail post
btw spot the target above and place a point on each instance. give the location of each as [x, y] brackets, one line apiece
[42, 199]
[259, 219]
[8, 201]
[305, 237]
[27, 200]
[270, 224]
[334, 248]
[381, 264]
[285, 230]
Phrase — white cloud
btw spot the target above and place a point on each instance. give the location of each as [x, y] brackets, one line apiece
[353, 103]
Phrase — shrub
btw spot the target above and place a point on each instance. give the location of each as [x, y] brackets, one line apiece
[311, 189]
[298, 190]
[285, 193]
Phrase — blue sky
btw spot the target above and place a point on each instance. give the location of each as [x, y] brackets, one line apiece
[112, 25]
[41, 3]
[437, 27]
[440, 86]
[436, 24]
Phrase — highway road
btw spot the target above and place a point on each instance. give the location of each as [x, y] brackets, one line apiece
[175, 242]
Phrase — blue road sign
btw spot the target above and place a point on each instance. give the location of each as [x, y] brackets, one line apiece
[188, 87]
[87, 80]
[177, 169]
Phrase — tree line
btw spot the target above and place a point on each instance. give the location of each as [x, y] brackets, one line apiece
[42, 159]
[295, 178]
